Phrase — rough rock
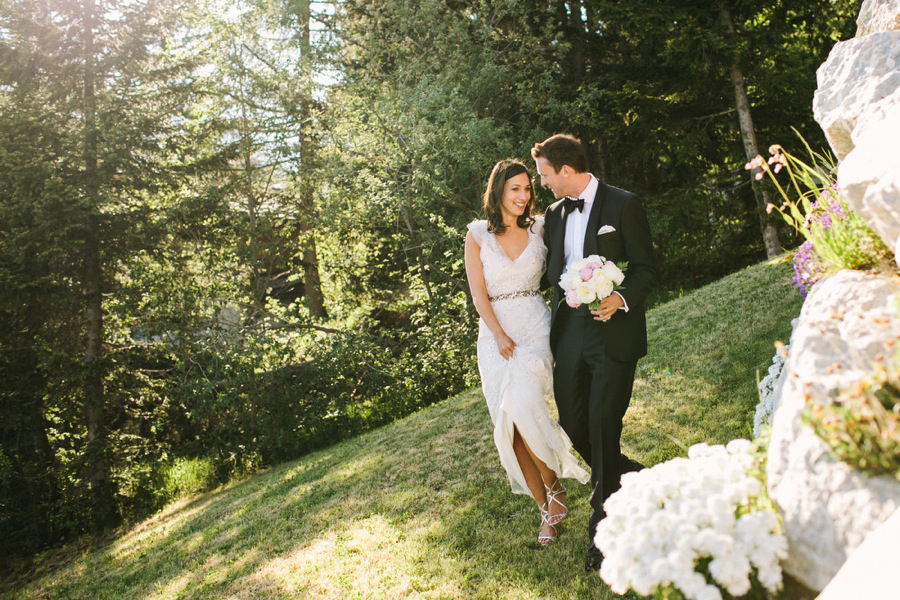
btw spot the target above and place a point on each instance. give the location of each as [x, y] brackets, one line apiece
[870, 174]
[878, 15]
[858, 75]
[870, 571]
[847, 322]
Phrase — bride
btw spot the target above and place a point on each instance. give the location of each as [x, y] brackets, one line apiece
[505, 258]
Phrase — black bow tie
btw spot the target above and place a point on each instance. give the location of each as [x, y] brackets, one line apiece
[571, 203]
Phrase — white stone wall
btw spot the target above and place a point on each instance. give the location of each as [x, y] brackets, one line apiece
[847, 324]
[857, 103]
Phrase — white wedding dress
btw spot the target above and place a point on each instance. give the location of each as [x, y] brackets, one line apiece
[518, 391]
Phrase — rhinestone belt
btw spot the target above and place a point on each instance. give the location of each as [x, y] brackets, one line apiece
[512, 295]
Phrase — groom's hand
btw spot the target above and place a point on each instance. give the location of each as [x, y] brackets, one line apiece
[608, 307]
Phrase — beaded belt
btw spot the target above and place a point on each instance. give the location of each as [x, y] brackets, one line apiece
[512, 295]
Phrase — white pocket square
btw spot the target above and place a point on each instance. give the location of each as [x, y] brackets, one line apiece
[606, 229]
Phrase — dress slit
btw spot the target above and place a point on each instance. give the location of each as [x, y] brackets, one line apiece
[518, 390]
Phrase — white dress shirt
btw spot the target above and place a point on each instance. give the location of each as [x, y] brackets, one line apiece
[576, 227]
[576, 224]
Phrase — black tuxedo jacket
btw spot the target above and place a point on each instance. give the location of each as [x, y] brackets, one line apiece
[625, 334]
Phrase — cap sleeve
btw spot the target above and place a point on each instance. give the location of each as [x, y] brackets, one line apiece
[479, 231]
[538, 224]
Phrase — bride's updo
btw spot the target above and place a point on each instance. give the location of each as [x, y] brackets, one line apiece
[493, 195]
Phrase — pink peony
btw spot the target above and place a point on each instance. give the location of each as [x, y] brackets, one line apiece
[571, 300]
[586, 273]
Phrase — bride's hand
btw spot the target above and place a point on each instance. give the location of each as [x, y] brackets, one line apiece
[505, 345]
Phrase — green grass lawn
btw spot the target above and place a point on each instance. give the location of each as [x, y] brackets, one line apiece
[421, 507]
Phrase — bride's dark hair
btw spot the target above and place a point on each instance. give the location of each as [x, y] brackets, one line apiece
[493, 195]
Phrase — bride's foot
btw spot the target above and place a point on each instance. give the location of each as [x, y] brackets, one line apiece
[547, 533]
[556, 502]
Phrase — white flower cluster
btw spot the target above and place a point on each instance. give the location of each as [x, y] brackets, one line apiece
[768, 387]
[590, 280]
[698, 524]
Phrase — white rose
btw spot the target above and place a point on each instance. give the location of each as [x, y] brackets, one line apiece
[602, 285]
[569, 280]
[613, 272]
[584, 293]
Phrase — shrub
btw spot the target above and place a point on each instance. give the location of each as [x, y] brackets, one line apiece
[187, 476]
[862, 423]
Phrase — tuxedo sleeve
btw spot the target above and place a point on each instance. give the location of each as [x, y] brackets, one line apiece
[545, 280]
[641, 274]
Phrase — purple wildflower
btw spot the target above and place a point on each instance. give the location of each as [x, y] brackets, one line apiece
[806, 270]
[826, 210]
[828, 206]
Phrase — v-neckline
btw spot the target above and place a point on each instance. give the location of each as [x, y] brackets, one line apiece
[503, 252]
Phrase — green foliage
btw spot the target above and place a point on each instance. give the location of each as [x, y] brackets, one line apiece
[861, 423]
[187, 477]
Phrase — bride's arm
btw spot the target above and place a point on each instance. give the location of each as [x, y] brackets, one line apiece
[478, 289]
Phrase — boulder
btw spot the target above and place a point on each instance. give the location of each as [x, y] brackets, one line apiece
[859, 75]
[870, 174]
[848, 323]
[878, 15]
[869, 572]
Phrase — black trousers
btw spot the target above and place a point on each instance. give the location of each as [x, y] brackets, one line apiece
[592, 391]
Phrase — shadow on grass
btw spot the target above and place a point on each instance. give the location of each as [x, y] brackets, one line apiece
[698, 382]
[418, 508]
[422, 507]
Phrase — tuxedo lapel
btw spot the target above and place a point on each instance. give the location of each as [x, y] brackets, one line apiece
[590, 234]
[558, 251]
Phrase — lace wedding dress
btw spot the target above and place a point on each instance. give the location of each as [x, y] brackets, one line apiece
[518, 391]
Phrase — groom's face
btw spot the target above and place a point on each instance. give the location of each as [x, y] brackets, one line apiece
[555, 181]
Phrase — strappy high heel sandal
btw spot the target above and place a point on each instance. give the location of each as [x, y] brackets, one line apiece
[552, 492]
[545, 539]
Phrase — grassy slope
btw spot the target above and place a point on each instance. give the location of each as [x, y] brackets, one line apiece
[421, 507]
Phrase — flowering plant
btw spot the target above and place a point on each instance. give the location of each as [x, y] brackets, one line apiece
[694, 526]
[836, 237]
[861, 422]
[591, 279]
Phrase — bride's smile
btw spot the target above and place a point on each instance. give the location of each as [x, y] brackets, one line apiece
[516, 196]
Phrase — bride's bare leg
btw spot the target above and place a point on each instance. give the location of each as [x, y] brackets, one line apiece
[548, 478]
[534, 470]
[529, 468]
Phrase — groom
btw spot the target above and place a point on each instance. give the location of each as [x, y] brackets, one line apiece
[596, 351]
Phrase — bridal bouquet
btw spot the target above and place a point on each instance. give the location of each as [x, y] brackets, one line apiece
[699, 525]
[590, 280]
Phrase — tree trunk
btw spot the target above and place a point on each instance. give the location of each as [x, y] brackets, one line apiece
[312, 284]
[420, 256]
[258, 277]
[577, 32]
[101, 488]
[748, 136]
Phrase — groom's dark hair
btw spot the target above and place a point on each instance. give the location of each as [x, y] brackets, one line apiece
[562, 149]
